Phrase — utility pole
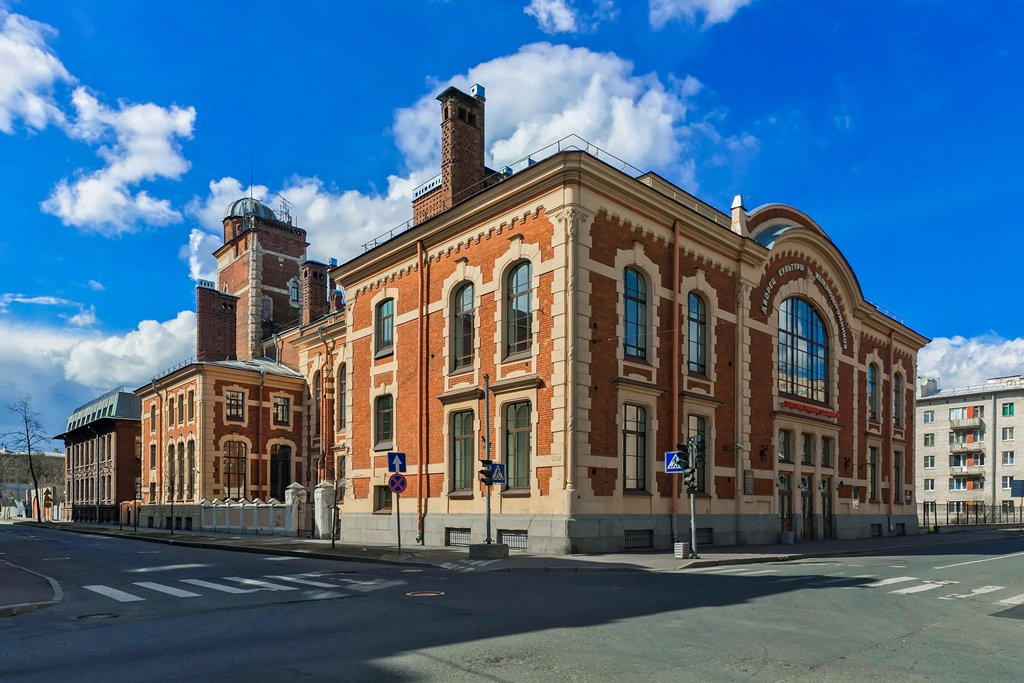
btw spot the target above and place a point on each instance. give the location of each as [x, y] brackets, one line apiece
[487, 447]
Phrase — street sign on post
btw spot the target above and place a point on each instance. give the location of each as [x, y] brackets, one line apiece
[396, 462]
[1017, 489]
[675, 462]
[397, 484]
[498, 473]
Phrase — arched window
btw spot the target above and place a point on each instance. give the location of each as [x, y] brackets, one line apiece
[519, 325]
[191, 492]
[180, 489]
[635, 314]
[518, 431]
[897, 400]
[462, 458]
[384, 326]
[803, 351]
[342, 398]
[873, 392]
[462, 328]
[314, 419]
[697, 333]
[234, 469]
[169, 473]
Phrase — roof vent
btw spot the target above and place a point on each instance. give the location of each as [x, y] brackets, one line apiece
[477, 90]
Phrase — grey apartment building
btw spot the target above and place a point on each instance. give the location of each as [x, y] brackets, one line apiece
[967, 449]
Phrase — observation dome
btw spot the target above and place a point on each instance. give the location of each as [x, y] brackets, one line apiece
[248, 206]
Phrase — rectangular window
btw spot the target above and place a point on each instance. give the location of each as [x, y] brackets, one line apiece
[170, 412]
[342, 397]
[518, 432]
[897, 476]
[634, 447]
[958, 460]
[806, 446]
[384, 326]
[234, 469]
[381, 499]
[929, 416]
[282, 410]
[1008, 457]
[958, 414]
[1007, 410]
[181, 409]
[826, 451]
[235, 401]
[152, 417]
[929, 439]
[929, 484]
[1006, 483]
[958, 483]
[462, 450]
[383, 412]
[785, 454]
[929, 462]
[191, 406]
[1007, 507]
[872, 473]
[1007, 433]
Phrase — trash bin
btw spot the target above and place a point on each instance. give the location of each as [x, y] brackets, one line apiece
[682, 551]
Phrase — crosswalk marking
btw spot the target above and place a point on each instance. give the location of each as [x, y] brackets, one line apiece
[217, 586]
[927, 586]
[976, 591]
[120, 596]
[306, 582]
[1015, 600]
[169, 590]
[889, 582]
[261, 585]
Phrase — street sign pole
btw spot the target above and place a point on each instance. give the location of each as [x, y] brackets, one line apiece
[398, 520]
[487, 446]
[693, 529]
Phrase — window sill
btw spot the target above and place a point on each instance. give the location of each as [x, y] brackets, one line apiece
[461, 495]
[518, 356]
[383, 446]
[515, 493]
[382, 512]
[637, 492]
[636, 360]
[698, 375]
[234, 419]
[458, 372]
[384, 353]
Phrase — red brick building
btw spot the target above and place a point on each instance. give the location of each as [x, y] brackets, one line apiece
[101, 456]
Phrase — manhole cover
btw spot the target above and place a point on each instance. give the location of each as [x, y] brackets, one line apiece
[96, 617]
[425, 594]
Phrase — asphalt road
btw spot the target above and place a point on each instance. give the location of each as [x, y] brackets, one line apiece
[150, 612]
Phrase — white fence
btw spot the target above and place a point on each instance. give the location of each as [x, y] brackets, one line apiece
[243, 517]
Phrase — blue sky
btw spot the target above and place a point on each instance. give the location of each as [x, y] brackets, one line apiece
[125, 128]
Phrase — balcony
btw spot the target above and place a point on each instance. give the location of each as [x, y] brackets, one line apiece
[967, 471]
[976, 447]
[966, 423]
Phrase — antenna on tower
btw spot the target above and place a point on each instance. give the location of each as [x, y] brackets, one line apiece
[284, 211]
[250, 173]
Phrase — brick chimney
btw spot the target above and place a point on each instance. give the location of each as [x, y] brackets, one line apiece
[462, 154]
[215, 323]
[314, 291]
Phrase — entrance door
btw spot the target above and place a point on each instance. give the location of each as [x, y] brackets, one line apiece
[807, 510]
[786, 510]
[826, 514]
[280, 466]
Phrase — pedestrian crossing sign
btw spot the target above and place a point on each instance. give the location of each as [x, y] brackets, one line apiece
[498, 473]
[674, 462]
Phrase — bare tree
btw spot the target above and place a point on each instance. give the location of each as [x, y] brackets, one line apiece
[28, 435]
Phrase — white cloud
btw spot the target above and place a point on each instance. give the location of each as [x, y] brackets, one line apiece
[959, 361]
[96, 286]
[7, 299]
[134, 357]
[30, 69]
[139, 143]
[553, 16]
[715, 11]
[84, 318]
[209, 212]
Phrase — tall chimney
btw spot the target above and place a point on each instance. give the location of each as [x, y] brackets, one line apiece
[215, 323]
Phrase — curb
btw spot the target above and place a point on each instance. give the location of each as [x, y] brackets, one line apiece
[248, 548]
[11, 610]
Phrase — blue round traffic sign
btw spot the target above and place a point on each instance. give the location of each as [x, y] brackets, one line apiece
[397, 483]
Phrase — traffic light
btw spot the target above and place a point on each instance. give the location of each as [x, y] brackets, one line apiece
[684, 453]
[485, 473]
[690, 478]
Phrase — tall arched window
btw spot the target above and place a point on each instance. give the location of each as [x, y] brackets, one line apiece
[314, 419]
[462, 328]
[635, 314]
[169, 473]
[519, 325]
[697, 334]
[803, 351]
[518, 431]
[385, 326]
[342, 398]
[383, 413]
[634, 447]
[191, 492]
[873, 392]
[897, 400]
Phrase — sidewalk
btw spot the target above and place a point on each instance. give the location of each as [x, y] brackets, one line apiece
[22, 590]
[457, 559]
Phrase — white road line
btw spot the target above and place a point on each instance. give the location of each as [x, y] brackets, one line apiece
[987, 559]
[727, 570]
[305, 582]
[927, 586]
[763, 571]
[261, 585]
[167, 568]
[170, 590]
[46, 559]
[889, 582]
[976, 591]
[1015, 600]
[217, 586]
[281, 558]
[120, 596]
[792, 578]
